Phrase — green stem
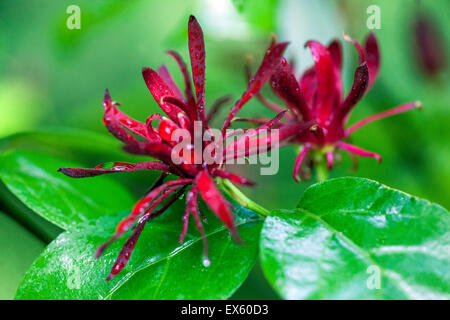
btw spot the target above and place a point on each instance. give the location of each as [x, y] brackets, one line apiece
[242, 198]
[322, 171]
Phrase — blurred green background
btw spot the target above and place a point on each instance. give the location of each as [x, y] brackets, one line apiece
[52, 77]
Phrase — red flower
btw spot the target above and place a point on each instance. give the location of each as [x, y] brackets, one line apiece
[429, 50]
[182, 112]
[318, 95]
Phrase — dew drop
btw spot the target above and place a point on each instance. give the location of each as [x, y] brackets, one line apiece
[206, 262]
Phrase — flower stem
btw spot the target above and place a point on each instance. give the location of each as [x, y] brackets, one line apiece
[242, 198]
[322, 171]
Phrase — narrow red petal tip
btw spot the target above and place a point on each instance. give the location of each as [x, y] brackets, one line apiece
[65, 171]
[250, 183]
[107, 102]
[192, 18]
[145, 70]
[235, 235]
[99, 252]
[110, 276]
[102, 248]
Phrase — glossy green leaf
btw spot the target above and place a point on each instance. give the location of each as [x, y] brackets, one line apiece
[32, 177]
[159, 267]
[353, 238]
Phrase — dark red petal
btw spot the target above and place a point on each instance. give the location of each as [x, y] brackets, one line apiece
[117, 167]
[271, 60]
[163, 152]
[150, 202]
[216, 202]
[324, 70]
[265, 143]
[265, 101]
[286, 86]
[190, 100]
[152, 133]
[232, 177]
[175, 101]
[335, 50]
[129, 123]
[159, 89]
[185, 223]
[127, 249]
[289, 130]
[242, 142]
[308, 86]
[192, 205]
[116, 128]
[359, 87]
[148, 215]
[372, 57]
[183, 119]
[197, 56]
[167, 78]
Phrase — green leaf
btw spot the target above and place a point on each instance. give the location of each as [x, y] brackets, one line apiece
[353, 238]
[159, 267]
[32, 177]
[73, 144]
[19, 248]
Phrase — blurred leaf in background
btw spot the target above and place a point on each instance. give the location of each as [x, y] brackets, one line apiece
[18, 250]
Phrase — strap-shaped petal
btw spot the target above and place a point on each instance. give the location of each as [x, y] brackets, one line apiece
[243, 142]
[158, 88]
[167, 78]
[335, 50]
[127, 249]
[372, 52]
[216, 202]
[119, 128]
[308, 86]
[326, 91]
[286, 86]
[359, 87]
[197, 56]
[190, 100]
[116, 167]
[270, 62]
[237, 179]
